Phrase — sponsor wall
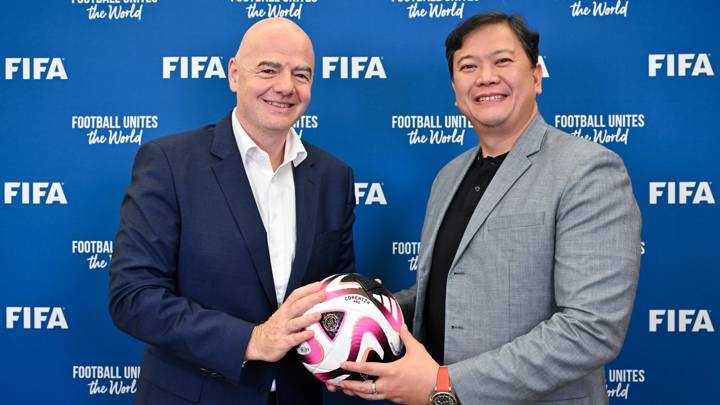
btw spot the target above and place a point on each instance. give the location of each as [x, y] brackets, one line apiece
[86, 82]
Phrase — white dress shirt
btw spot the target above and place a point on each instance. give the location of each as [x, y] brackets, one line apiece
[274, 194]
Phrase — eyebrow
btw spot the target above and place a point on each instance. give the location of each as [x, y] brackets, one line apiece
[267, 63]
[304, 69]
[493, 53]
[276, 65]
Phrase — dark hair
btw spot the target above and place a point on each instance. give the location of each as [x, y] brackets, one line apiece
[530, 40]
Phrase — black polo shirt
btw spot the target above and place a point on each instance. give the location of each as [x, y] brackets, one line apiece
[453, 226]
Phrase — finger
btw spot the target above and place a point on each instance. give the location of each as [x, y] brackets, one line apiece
[363, 389]
[303, 291]
[302, 305]
[349, 393]
[304, 321]
[371, 397]
[299, 337]
[371, 368]
[330, 387]
[358, 387]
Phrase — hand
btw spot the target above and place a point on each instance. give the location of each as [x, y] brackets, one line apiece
[409, 380]
[272, 339]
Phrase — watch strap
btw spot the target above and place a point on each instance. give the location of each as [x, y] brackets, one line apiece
[442, 384]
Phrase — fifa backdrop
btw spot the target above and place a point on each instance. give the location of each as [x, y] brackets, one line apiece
[86, 82]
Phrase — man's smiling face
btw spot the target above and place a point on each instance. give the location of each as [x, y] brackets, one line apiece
[495, 85]
[272, 76]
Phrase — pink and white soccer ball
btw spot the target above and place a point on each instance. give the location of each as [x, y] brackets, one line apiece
[360, 321]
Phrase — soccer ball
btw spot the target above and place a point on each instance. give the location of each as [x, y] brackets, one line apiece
[360, 321]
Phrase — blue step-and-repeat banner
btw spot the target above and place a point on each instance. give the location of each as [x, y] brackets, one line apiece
[86, 82]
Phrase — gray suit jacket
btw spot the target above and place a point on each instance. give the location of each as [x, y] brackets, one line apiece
[541, 289]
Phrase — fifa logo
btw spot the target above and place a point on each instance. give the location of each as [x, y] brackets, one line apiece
[35, 68]
[678, 65]
[193, 67]
[34, 193]
[681, 192]
[35, 317]
[359, 67]
[369, 193]
[680, 320]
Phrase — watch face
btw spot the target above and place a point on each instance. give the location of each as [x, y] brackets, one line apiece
[443, 398]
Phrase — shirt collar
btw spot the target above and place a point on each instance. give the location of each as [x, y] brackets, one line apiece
[495, 159]
[294, 148]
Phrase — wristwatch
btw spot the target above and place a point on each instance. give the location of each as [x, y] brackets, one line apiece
[443, 393]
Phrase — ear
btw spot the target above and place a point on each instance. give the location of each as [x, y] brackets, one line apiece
[455, 102]
[537, 78]
[232, 75]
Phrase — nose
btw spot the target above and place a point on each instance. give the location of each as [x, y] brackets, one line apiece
[486, 76]
[284, 83]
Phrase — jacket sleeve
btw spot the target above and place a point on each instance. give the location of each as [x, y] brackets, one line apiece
[406, 299]
[143, 297]
[596, 267]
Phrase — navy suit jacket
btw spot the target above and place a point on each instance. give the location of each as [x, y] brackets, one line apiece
[191, 275]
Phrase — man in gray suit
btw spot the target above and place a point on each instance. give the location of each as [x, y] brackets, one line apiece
[530, 250]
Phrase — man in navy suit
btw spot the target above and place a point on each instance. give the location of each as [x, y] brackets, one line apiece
[219, 230]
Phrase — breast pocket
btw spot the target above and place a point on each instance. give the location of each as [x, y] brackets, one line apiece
[525, 236]
[513, 221]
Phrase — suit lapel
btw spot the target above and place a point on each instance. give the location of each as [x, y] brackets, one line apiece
[232, 178]
[446, 192]
[437, 208]
[513, 167]
[307, 188]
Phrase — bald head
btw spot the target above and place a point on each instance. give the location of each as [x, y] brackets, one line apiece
[271, 75]
[274, 32]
